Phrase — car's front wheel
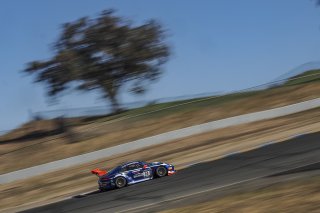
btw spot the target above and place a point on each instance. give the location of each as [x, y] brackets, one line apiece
[161, 171]
[120, 182]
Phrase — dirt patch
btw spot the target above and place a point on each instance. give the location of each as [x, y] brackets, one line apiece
[204, 147]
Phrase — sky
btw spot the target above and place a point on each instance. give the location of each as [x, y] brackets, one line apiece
[217, 45]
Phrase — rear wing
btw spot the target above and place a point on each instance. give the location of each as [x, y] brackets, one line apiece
[99, 172]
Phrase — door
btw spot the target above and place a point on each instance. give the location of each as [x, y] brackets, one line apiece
[138, 172]
[135, 171]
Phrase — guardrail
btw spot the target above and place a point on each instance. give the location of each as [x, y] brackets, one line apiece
[158, 139]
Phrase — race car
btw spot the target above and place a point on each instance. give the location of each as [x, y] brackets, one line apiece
[130, 173]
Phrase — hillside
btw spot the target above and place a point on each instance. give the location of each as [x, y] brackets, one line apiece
[49, 140]
[313, 65]
[305, 77]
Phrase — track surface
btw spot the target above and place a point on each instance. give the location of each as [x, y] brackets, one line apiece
[296, 152]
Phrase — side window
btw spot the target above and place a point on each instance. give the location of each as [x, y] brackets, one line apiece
[131, 167]
[126, 168]
[140, 165]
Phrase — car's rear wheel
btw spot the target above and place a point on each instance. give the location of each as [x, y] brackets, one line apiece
[120, 182]
[161, 171]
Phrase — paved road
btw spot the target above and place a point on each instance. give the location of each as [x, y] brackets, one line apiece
[197, 179]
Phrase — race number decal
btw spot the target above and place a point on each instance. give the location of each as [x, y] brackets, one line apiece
[146, 173]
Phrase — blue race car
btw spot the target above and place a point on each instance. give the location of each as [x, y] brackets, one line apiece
[131, 173]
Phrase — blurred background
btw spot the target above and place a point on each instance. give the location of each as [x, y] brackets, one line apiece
[81, 76]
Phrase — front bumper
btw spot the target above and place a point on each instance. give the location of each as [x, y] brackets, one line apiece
[171, 172]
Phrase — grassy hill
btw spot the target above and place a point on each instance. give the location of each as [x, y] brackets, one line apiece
[305, 77]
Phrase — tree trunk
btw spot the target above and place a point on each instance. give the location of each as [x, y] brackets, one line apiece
[111, 93]
[115, 104]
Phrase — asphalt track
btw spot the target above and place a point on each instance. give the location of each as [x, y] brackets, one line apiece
[198, 179]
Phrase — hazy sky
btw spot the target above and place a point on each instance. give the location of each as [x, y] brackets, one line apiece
[218, 45]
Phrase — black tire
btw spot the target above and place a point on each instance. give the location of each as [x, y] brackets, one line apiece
[161, 171]
[120, 182]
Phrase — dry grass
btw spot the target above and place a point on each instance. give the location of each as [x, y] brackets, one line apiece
[301, 195]
[100, 134]
[204, 147]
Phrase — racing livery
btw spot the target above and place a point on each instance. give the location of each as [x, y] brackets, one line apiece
[131, 173]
